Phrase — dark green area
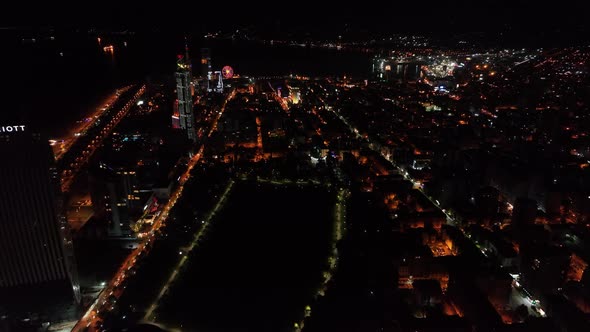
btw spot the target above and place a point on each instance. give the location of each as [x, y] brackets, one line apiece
[259, 264]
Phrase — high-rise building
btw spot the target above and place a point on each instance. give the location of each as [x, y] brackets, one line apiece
[206, 71]
[185, 98]
[37, 266]
[205, 62]
[115, 197]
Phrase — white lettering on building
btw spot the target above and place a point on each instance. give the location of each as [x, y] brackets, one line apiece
[10, 129]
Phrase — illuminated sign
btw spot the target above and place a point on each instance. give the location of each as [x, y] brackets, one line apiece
[10, 129]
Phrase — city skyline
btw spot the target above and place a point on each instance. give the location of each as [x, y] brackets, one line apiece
[400, 167]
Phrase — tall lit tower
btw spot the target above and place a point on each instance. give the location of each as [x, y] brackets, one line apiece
[184, 92]
[205, 62]
[36, 255]
[206, 67]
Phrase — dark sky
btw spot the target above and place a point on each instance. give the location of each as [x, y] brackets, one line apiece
[402, 16]
[526, 20]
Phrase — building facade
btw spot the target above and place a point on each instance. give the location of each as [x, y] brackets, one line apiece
[115, 197]
[35, 244]
[205, 62]
[185, 98]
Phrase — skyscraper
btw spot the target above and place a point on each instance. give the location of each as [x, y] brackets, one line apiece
[206, 68]
[115, 197]
[36, 255]
[205, 62]
[185, 98]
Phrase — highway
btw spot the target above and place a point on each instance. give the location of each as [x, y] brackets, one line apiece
[103, 302]
[62, 145]
[70, 171]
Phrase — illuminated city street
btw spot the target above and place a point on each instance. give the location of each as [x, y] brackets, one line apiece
[80, 158]
[91, 318]
[62, 145]
[382, 167]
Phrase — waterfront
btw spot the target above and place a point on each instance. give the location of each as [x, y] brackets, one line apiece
[74, 74]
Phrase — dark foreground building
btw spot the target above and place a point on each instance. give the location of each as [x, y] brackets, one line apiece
[37, 270]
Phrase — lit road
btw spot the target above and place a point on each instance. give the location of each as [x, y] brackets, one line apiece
[375, 147]
[259, 147]
[337, 234]
[103, 302]
[69, 174]
[518, 290]
[63, 145]
[338, 229]
[519, 296]
[195, 243]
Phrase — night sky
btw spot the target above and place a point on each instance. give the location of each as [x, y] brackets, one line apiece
[516, 23]
[315, 16]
